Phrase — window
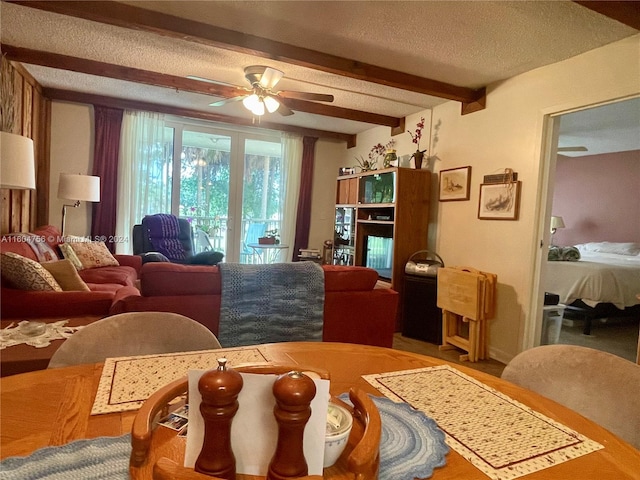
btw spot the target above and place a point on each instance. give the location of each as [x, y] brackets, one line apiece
[228, 184]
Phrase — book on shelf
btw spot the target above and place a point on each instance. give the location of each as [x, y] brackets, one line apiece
[309, 253]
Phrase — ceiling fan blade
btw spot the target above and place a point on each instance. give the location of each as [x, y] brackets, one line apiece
[225, 101]
[572, 149]
[270, 78]
[317, 97]
[284, 110]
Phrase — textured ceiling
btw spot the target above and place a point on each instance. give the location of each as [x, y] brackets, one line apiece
[464, 43]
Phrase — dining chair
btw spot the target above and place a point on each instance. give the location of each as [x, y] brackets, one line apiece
[202, 241]
[599, 385]
[254, 231]
[133, 333]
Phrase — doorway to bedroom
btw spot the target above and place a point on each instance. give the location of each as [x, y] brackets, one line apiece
[593, 207]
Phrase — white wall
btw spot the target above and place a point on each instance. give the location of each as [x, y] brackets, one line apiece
[510, 133]
[71, 152]
[323, 196]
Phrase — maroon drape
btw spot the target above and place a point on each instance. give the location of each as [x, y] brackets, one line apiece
[304, 200]
[108, 122]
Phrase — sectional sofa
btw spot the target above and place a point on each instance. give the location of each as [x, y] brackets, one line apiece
[106, 284]
[355, 311]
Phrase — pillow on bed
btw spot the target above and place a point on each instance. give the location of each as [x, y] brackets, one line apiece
[626, 248]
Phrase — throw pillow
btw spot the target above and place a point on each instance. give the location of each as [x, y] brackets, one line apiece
[93, 254]
[66, 275]
[206, 258]
[27, 274]
[153, 257]
[69, 254]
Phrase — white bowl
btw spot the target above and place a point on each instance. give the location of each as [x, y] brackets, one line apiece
[339, 423]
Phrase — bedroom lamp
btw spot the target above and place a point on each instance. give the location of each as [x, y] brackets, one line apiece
[17, 162]
[556, 223]
[78, 187]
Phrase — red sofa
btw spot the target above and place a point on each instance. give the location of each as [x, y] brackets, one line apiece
[354, 310]
[106, 284]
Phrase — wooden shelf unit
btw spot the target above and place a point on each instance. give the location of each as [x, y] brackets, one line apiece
[402, 214]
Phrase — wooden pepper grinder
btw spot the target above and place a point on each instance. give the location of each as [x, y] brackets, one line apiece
[293, 392]
[219, 389]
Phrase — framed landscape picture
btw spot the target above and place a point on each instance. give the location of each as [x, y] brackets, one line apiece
[454, 184]
[499, 201]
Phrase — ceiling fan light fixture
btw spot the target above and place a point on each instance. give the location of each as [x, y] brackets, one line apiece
[259, 109]
[271, 103]
[251, 101]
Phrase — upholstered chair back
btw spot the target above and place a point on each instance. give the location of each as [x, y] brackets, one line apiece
[599, 385]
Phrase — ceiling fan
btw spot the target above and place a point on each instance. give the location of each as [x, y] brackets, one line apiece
[260, 96]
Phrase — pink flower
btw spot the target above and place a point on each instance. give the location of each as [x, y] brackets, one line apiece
[415, 137]
[376, 151]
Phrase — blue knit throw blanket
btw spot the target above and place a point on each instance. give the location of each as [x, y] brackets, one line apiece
[279, 302]
[164, 233]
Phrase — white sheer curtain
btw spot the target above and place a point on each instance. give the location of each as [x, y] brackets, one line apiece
[144, 173]
[291, 168]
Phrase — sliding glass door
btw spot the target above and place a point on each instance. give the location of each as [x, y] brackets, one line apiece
[262, 194]
[205, 170]
[228, 185]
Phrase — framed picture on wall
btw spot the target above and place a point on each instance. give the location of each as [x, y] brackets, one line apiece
[455, 184]
[499, 201]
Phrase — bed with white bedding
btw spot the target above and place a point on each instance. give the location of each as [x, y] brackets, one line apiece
[607, 273]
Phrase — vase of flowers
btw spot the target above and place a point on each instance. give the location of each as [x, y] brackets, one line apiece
[390, 154]
[418, 156]
[376, 152]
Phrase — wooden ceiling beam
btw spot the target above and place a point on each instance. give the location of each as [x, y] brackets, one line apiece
[626, 12]
[127, 16]
[91, 99]
[91, 67]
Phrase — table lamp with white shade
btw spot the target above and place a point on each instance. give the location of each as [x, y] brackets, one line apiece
[17, 162]
[81, 188]
[556, 222]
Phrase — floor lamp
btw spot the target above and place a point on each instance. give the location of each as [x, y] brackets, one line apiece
[81, 188]
[17, 163]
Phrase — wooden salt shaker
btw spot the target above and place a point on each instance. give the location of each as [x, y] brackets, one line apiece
[219, 389]
[293, 392]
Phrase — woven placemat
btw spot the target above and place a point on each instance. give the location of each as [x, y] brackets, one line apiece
[102, 458]
[502, 437]
[126, 382]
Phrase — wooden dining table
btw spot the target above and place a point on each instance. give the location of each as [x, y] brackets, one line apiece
[53, 407]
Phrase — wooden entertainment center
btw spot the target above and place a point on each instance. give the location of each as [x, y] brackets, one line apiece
[382, 218]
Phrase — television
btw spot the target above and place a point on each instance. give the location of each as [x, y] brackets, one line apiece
[378, 254]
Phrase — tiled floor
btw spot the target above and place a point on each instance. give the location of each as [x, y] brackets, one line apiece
[490, 366]
[616, 335]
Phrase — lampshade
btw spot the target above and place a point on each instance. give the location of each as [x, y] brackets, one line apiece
[85, 188]
[557, 222]
[17, 163]
[251, 102]
[271, 103]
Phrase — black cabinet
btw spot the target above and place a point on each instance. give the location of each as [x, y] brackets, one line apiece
[421, 317]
